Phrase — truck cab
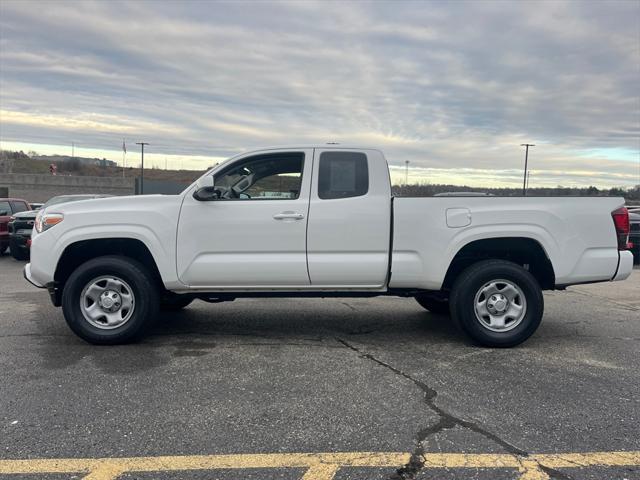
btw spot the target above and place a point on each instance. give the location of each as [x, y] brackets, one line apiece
[289, 219]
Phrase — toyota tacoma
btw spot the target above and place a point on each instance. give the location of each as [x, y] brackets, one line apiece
[321, 221]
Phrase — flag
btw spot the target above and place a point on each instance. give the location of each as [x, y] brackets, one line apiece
[124, 147]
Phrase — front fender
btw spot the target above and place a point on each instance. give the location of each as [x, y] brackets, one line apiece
[48, 247]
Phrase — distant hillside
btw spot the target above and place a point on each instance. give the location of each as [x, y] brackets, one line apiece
[74, 162]
[20, 162]
[429, 190]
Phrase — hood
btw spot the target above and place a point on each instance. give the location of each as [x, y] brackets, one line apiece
[108, 204]
[26, 215]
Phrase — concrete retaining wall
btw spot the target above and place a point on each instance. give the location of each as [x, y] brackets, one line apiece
[165, 187]
[40, 188]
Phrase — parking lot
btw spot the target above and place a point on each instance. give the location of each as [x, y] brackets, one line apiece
[322, 389]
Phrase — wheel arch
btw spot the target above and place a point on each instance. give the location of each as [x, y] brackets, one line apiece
[524, 251]
[76, 253]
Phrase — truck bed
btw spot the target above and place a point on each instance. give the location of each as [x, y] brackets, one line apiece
[576, 233]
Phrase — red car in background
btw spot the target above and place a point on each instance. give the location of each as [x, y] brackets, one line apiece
[9, 206]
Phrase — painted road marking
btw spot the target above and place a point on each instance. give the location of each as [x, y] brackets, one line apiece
[319, 466]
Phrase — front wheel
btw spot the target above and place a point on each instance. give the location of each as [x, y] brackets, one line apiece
[497, 303]
[110, 300]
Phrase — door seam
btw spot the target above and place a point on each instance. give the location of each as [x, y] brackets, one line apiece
[306, 232]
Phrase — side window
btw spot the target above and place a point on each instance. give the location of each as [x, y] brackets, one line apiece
[19, 207]
[263, 177]
[342, 175]
[5, 209]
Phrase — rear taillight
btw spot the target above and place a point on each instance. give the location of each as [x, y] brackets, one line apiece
[621, 222]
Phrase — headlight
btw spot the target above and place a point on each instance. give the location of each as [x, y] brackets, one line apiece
[45, 222]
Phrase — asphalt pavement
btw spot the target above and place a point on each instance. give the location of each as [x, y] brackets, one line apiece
[271, 388]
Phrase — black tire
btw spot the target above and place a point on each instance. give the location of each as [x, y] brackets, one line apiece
[175, 303]
[434, 305]
[144, 289]
[471, 281]
[18, 252]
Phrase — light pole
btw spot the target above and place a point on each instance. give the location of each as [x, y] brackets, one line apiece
[526, 160]
[124, 156]
[142, 144]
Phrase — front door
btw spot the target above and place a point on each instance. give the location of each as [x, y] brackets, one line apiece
[254, 235]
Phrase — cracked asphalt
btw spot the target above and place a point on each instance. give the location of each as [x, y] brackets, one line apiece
[333, 375]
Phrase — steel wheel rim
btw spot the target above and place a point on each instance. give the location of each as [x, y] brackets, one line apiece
[500, 305]
[107, 302]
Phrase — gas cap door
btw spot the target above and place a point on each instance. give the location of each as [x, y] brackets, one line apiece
[458, 217]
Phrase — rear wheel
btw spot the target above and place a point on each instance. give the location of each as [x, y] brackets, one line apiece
[110, 300]
[497, 303]
[433, 304]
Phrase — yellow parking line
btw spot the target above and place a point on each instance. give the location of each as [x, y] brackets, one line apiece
[105, 472]
[323, 471]
[317, 466]
[610, 459]
[205, 462]
[471, 460]
[552, 460]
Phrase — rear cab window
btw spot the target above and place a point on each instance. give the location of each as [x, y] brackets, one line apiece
[342, 175]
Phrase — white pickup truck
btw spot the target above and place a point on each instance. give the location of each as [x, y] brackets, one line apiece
[321, 221]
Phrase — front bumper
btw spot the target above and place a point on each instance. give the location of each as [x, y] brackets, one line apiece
[27, 276]
[52, 287]
[625, 266]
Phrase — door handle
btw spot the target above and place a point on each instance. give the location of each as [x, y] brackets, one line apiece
[288, 216]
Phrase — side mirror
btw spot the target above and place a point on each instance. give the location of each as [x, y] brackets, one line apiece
[205, 189]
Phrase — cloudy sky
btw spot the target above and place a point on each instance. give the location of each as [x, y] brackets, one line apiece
[454, 87]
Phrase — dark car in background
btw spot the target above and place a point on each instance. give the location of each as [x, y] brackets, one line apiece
[8, 207]
[634, 234]
[20, 224]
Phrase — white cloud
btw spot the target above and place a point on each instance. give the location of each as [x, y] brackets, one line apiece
[448, 86]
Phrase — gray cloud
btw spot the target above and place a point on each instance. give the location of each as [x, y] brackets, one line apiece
[446, 85]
